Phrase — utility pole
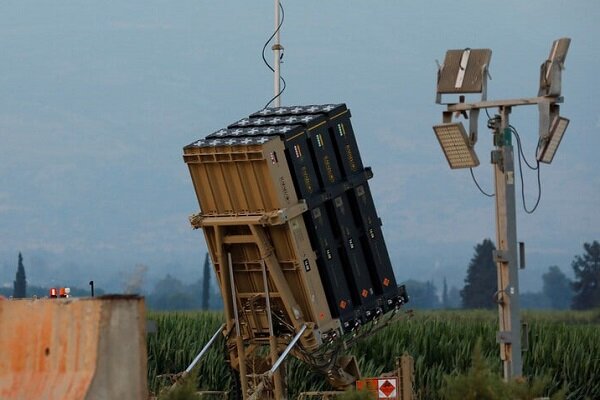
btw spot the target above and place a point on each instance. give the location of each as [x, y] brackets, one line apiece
[509, 335]
[465, 71]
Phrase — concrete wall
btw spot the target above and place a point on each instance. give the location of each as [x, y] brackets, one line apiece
[73, 349]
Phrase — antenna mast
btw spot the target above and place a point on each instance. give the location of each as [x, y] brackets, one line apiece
[277, 48]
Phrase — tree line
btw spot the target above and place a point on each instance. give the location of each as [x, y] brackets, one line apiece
[169, 293]
[479, 290]
[481, 284]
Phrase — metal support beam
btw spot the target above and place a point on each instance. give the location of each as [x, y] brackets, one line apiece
[204, 350]
[504, 103]
[287, 350]
[239, 340]
[267, 253]
[279, 384]
[506, 241]
[224, 282]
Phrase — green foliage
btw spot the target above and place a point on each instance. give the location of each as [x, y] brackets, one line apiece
[179, 338]
[523, 390]
[356, 395]
[479, 383]
[587, 277]
[481, 280]
[185, 389]
[564, 351]
[20, 283]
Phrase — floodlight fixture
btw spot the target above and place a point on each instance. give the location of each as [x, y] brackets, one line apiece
[456, 145]
[464, 71]
[550, 71]
[549, 144]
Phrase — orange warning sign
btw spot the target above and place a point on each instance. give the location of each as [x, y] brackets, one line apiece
[380, 388]
[387, 388]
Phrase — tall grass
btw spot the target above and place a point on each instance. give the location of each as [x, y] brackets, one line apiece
[179, 338]
[564, 346]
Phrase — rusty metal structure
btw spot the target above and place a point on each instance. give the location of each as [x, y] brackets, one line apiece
[295, 241]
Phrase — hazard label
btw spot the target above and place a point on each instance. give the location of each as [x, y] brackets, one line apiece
[381, 388]
[387, 388]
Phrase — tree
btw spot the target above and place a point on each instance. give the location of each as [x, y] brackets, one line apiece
[422, 294]
[171, 294]
[481, 280]
[557, 288]
[20, 283]
[206, 284]
[587, 277]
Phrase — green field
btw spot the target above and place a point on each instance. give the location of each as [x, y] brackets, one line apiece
[564, 346]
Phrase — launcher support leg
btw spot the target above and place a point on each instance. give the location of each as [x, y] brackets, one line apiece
[277, 376]
[226, 286]
[266, 251]
[239, 341]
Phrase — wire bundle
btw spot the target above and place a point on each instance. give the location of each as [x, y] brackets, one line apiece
[521, 158]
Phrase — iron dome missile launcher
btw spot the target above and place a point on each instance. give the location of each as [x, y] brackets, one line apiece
[291, 227]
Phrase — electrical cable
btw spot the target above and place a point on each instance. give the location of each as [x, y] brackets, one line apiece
[537, 167]
[473, 174]
[267, 63]
[520, 155]
[520, 148]
[479, 187]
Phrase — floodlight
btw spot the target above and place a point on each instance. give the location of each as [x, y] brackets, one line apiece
[464, 71]
[550, 71]
[549, 144]
[456, 145]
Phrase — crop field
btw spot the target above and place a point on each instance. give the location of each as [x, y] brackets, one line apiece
[564, 346]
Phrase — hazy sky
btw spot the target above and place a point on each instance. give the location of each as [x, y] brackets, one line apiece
[97, 100]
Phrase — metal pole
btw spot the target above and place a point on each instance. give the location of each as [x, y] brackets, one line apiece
[204, 350]
[509, 335]
[272, 339]
[287, 350]
[277, 60]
